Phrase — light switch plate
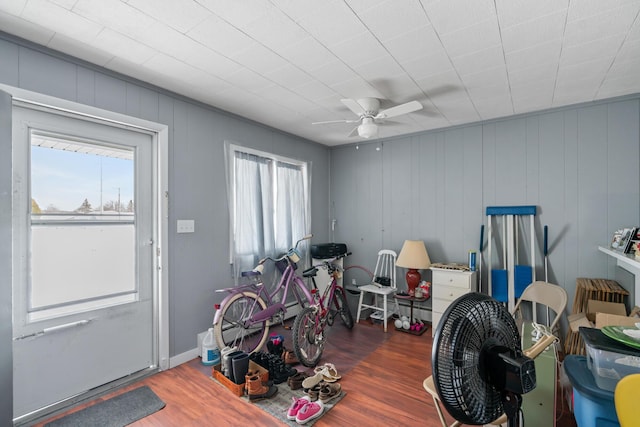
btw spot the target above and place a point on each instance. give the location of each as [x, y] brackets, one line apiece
[186, 226]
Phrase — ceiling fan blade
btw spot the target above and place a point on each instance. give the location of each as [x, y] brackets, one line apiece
[353, 105]
[354, 132]
[335, 121]
[398, 110]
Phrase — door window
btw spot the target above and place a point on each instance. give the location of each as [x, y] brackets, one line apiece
[83, 221]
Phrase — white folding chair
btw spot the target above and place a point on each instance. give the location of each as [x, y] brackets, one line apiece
[383, 285]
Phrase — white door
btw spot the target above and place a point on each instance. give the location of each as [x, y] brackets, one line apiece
[83, 229]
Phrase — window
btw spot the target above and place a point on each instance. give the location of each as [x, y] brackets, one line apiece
[82, 224]
[269, 205]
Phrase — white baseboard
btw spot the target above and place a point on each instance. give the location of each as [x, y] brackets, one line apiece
[179, 359]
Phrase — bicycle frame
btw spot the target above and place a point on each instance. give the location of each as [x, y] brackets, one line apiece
[310, 325]
[327, 297]
[288, 278]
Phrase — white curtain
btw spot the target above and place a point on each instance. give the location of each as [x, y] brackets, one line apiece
[270, 208]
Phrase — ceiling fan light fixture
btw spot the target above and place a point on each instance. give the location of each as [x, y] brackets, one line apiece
[368, 129]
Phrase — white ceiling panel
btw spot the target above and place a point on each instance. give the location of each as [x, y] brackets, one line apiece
[117, 44]
[389, 19]
[220, 36]
[606, 23]
[12, 24]
[544, 53]
[605, 48]
[181, 15]
[525, 76]
[449, 16]
[86, 52]
[331, 24]
[467, 40]
[515, 12]
[60, 20]
[114, 14]
[534, 32]
[287, 63]
[359, 50]
[436, 62]
[417, 42]
[289, 76]
[480, 60]
[307, 53]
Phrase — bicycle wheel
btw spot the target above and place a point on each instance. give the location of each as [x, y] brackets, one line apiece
[231, 330]
[308, 342]
[340, 305]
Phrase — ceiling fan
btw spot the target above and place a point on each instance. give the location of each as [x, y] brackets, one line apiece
[370, 115]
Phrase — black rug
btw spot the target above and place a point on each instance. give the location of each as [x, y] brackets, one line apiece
[118, 411]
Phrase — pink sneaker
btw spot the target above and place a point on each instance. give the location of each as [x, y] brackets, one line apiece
[296, 406]
[310, 411]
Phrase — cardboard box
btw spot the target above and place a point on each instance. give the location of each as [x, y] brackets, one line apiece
[238, 389]
[601, 313]
[595, 306]
[577, 320]
[606, 319]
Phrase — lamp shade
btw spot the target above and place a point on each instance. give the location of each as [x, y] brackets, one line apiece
[413, 255]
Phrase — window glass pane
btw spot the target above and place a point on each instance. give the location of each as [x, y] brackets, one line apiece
[82, 221]
[270, 206]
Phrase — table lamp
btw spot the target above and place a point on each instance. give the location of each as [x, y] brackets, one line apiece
[413, 256]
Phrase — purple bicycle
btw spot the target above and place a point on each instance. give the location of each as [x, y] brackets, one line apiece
[243, 317]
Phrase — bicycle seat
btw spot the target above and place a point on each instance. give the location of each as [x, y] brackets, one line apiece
[310, 272]
[250, 273]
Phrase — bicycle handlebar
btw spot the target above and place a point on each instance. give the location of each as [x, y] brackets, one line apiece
[260, 267]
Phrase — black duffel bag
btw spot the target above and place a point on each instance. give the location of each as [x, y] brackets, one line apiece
[328, 250]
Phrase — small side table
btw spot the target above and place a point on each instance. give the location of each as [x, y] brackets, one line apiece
[411, 300]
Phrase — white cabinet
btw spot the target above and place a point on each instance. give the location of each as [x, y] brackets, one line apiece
[446, 286]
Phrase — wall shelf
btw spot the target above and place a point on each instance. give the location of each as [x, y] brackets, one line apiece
[627, 262]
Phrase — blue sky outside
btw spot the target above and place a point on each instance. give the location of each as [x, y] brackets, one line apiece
[64, 179]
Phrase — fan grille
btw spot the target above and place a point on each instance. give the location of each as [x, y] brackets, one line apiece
[470, 322]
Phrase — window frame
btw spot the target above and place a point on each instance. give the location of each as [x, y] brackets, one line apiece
[232, 148]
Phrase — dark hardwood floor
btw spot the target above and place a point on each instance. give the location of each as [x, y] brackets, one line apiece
[381, 373]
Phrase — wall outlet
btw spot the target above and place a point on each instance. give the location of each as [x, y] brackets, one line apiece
[186, 226]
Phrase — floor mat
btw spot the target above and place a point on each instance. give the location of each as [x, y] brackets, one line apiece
[118, 411]
[280, 403]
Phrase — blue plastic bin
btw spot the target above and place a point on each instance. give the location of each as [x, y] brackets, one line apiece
[592, 406]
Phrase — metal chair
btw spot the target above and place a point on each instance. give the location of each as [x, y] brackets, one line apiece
[625, 398]
[383, 285]
[553, 297]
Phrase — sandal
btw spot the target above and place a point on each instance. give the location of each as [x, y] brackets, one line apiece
[329, 372]
[313, 380]
[329, 391]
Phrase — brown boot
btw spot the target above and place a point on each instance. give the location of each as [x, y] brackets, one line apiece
[257, 390]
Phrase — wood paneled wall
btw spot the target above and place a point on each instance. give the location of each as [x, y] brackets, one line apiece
[579, 165]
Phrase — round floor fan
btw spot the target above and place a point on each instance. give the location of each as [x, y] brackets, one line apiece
[479, 370]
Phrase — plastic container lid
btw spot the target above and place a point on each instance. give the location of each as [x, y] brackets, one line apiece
[597, 339]
[582, 379]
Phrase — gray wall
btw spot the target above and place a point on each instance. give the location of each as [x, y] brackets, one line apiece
[579, 165]
[198, 262]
